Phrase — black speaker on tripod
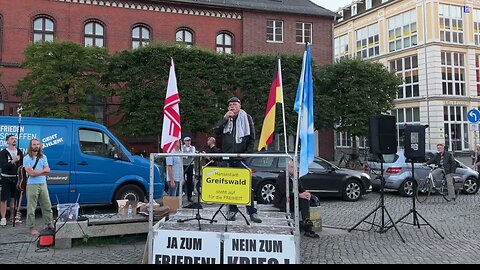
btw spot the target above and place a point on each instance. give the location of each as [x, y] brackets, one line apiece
[415, 152]
[382, 135]
[415, 142]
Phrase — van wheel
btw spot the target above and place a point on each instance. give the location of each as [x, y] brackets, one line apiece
[130, 192]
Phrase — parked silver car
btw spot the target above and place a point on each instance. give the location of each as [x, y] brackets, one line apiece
[398, 173]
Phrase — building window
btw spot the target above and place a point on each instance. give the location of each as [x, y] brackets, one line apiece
[407, 69]
[455, 127]
[341, 47]
[43, 29]
[2, 98]
[451, 23]
[477, 72]
[354, 9]
[368, 4]
[94, 34]
[368, 41]
[340, 13]
[185, 36]
[343, 139]
[274, 31]
[405, 116]
[140, 36]
[453, 73]
[476, 26]
[1, 40]
[303, 32]
[402, 31]
[224, 43]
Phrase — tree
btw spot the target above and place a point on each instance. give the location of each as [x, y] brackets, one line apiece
[64, 80]
[140, 77]
[350, 91]
[254, 75]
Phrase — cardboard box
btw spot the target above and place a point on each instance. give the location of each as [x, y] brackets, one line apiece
[172, 202]
[123, 207]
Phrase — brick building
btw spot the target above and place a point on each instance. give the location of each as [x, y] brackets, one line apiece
[238, 27]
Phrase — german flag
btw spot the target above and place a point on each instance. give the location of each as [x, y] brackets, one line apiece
[275, 96]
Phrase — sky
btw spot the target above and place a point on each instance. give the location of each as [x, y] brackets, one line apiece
[332, 5]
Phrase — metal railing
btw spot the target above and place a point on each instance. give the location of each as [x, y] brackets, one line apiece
[153, 157]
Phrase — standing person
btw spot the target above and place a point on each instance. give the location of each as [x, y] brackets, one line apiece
[188, 164]
[446, 165]
[211, 147]
[10, 159]
[238, 136]
[304, 197]
[36, 165]
[476, 160]
[174, 171]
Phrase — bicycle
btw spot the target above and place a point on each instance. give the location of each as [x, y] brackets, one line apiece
[430, 185]
[351, 161]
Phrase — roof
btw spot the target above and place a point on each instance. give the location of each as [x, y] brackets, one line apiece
[286, 6]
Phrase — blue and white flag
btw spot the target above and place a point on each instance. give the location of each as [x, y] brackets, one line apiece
[304, 107]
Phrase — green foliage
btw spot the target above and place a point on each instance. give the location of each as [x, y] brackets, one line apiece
[64, 80]
[350, 91]
[205, 82]
[255, 74]
[140, 77]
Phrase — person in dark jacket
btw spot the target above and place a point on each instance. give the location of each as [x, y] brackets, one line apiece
[280, 199]
[446, 165]
[10, 159]
[237, 133]
[211, 147]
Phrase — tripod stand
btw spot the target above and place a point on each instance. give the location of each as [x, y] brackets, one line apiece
[198, 217]
[413, 210]
[382, 227]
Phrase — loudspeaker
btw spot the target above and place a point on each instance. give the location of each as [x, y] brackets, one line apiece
[382, 134]
[415, 142]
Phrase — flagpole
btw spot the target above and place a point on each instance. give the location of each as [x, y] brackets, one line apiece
[283, 109]
[284, 135]
[295, 177]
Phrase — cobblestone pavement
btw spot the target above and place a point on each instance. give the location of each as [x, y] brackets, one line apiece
[458, 223]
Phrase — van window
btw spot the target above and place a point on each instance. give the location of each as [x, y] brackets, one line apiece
[97, 143]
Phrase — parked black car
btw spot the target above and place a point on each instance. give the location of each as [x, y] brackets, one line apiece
[324, 179]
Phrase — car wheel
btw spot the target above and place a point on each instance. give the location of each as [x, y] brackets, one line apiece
[470, 186]
[266, 192]
[406, 189]
[130, 192]
[352, 191]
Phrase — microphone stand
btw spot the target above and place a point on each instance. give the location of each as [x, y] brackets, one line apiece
[198, 217]
[15, 207]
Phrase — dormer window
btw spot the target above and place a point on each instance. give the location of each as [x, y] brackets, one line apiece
[341, 15]
[368, 4]
[354, 10]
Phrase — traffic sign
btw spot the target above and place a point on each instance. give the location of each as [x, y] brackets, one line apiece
[473, 115]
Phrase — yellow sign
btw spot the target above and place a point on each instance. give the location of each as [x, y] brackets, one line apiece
[226, 185]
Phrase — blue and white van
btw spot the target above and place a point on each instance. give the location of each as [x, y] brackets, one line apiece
[86, 161]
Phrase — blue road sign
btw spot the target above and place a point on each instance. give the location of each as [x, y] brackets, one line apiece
[473, 115]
